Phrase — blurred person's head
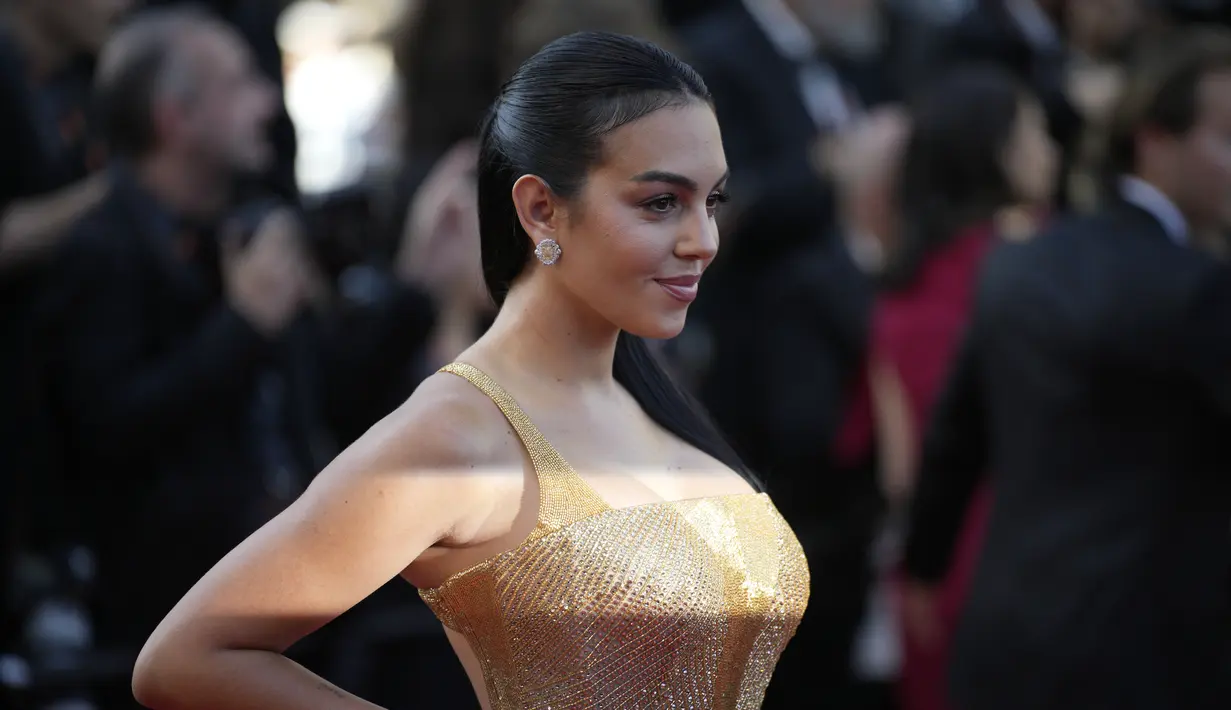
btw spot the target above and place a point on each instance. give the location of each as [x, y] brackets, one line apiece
[865, 171]
[1172, 127]
[608, 147]
[1103, 28]
[978, 144]
[853, 28]
[538, 22]
[179, 85]
[442, 107]
[77, 26]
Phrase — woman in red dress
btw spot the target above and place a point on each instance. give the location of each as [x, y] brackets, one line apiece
[978, 155]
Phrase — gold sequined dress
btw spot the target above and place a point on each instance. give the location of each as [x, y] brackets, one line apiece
[672, 604]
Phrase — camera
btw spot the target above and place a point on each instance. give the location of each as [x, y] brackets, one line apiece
[338, 227]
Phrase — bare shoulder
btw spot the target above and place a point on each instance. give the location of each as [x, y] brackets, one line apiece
[448, 440]
[418, 479]
[447, 421]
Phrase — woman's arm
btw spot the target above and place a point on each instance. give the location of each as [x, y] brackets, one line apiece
[896, 432]
[406, 485]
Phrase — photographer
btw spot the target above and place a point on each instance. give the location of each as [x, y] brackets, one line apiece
[194, 348]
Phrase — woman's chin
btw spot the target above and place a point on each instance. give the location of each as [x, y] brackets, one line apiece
[665, 327]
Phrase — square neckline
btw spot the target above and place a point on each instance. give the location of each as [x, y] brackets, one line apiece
[531, 538]
[532, 438]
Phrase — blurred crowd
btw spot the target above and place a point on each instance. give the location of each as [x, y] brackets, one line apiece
[185, 339]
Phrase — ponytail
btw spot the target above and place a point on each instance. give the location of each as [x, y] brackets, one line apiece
[640, 372]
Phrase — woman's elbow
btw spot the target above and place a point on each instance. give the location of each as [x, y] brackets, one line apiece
[154, 683]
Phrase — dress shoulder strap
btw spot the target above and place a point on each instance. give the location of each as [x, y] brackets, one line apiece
[563, 496]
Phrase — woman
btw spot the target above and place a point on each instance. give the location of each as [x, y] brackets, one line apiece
[978, 165]
[582, 532]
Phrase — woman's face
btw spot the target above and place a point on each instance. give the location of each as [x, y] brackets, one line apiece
[1031, 156]
[636, 240]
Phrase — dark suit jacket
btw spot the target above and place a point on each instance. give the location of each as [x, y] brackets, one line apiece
[767, 133]
[1095, 385]
[780, 390]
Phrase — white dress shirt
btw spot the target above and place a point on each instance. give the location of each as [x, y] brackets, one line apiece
[820, 88]
[1034, 23]
[1138, 192]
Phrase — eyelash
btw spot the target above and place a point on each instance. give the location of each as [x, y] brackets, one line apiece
[669, 201]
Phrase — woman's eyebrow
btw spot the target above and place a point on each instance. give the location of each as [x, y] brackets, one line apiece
[667, 177]
[675, 179]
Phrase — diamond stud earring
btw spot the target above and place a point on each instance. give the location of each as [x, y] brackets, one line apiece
[548, 251]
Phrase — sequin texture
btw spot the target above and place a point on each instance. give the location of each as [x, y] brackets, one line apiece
[673, 604]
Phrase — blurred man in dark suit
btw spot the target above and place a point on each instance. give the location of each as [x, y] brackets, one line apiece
[155, 352]
[1095, 386]
[197, 367]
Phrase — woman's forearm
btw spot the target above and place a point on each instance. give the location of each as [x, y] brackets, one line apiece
[241, 680]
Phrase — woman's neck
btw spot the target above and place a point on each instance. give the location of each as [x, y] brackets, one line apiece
[541, 329]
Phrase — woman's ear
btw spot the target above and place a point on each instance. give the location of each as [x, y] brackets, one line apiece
[538, 208]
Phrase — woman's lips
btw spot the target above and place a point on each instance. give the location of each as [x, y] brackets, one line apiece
[681, 288]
